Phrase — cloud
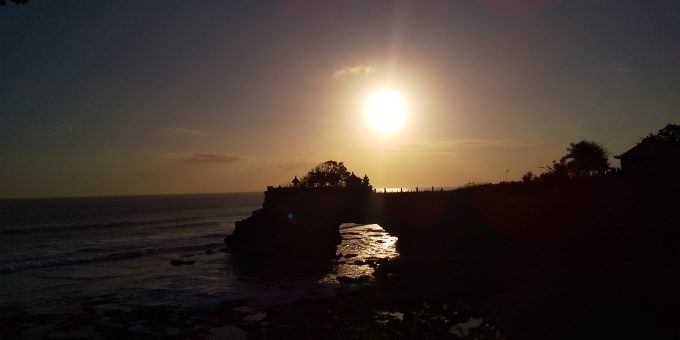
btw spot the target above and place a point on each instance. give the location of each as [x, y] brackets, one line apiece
[296, 166]
[352, 71]
[213, 158]
[623, 69]
[178, 131]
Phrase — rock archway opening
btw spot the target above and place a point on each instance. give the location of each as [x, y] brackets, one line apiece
[363, 248]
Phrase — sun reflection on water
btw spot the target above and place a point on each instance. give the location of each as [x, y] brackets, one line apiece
[361, 248]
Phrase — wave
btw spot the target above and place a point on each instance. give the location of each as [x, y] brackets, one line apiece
[112, 256]
[171, 223]
[45, 263]
[91, 249]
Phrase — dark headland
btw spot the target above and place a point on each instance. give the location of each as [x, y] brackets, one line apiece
[583, 251]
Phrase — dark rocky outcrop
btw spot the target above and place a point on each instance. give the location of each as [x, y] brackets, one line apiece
[560, 258]
[297, 228]
[578, 222]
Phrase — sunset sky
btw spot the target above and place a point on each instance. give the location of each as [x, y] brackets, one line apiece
[155, 97]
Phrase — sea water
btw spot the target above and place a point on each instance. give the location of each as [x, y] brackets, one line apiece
[62, 256]
[56, 252]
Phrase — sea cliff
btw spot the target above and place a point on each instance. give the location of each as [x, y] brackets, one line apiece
[590, 220]
[297, 228]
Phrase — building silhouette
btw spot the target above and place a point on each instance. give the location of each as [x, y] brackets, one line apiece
[652, 158]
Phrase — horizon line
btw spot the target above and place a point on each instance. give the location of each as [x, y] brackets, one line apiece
[378, 189]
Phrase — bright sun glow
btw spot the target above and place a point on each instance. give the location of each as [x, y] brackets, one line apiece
[385, 111]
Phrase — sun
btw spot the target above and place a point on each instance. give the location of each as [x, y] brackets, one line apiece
[385, 111]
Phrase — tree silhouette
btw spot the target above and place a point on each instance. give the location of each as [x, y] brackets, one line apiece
[365, 182]
[353, 181]
[669, 135]
[528, 177]
[585, 158]
[327, 174]
[556, 171]
[332, 174]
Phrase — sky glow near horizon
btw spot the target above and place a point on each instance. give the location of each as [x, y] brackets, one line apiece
[158, 97]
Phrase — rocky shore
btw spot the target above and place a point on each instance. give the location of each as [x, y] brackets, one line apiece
[559, 260]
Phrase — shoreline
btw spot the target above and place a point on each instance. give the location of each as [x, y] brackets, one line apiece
[514, 297]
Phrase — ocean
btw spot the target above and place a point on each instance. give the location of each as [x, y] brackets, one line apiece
[82, 258]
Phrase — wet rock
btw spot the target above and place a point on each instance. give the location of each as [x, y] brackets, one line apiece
[255, 317]
[228, 332]
[350, 256]
[210, 252]
[355, 280]
[347, 279]
[188, 255]
[181, 262]
[462, 329]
